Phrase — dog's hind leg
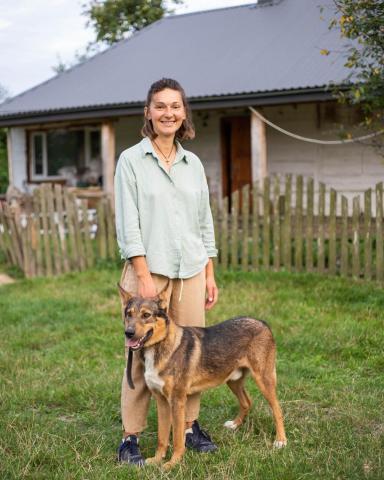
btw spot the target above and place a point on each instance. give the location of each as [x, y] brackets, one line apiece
[266, 381]
[237, 387]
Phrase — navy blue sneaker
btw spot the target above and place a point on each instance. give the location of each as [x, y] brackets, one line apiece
[199, 440]
[129, 452]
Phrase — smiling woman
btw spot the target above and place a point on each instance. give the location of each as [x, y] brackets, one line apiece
[165, 233]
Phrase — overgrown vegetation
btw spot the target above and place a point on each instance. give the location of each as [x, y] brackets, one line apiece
[3, 161]
[362, 22]
[62, 359]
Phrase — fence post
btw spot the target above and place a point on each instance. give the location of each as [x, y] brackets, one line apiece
[234, 229]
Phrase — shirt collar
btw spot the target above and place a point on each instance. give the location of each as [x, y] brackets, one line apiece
[147, 147]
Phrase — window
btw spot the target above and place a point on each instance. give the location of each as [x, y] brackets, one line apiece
[71, 154]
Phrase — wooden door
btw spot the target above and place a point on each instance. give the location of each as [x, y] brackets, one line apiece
[236, 153]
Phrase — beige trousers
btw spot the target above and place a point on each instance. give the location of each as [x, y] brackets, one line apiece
[186, 308]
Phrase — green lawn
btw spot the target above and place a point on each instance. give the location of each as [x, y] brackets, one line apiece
[61, 360]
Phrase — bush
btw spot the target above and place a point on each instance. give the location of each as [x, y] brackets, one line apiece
[3, 161]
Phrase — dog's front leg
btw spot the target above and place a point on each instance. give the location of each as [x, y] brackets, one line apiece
[163, 429]
[178, 402]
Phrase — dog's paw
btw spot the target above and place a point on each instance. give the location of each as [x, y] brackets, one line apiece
[279, 443]
[231, 425]
[153, 461]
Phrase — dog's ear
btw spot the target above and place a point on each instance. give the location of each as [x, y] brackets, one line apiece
[124, 295]
[164, 296]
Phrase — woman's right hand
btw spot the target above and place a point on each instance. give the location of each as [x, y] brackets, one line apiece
[146, 287]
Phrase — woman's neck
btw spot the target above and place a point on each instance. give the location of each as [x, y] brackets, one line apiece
[165, 143]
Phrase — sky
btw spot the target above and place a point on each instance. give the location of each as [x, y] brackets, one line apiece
[36, 34]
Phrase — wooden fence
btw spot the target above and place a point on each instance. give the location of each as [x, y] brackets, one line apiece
[55, 232]
[285, 223]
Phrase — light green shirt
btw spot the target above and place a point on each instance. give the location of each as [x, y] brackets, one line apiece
[164, 216]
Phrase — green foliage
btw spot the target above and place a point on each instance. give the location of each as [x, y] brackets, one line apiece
[3, 161]
[114, 19]
[62, 360]
[363, 22]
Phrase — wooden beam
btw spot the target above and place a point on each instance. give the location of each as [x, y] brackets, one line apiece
[258, 149]
[108, 155]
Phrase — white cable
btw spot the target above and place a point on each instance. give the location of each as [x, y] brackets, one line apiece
[314, 140]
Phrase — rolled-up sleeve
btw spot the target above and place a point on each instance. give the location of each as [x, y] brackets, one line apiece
[127, 216]
[206, 220]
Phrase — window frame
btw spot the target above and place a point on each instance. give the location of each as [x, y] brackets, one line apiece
[43, 133]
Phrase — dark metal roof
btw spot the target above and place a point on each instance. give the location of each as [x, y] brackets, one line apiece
[266, 51]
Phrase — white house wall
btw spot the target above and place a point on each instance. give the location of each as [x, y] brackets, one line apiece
[18, 157]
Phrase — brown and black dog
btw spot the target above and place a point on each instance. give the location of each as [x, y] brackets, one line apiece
[180, 361]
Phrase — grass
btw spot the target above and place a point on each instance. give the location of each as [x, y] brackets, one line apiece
[61, 360]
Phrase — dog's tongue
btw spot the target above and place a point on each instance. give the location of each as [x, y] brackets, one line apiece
[132, 343]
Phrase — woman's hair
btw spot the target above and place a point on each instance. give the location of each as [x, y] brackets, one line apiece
[187, 130]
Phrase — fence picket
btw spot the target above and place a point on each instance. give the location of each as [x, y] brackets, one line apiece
[101, 230]
[379, 233]
[287, 242]
[88, 250]
[38, 237]
[299, 224]
[73, 249]
[59, 202]
[46, 236]
[276, 224]
[255, 226]
[245, 227]
[321, 230]
[367, 234]
[234, 229]
[332, 232]
[344, 263]
[356, 238]
[309, 226]
[54, 233]
[266, 223]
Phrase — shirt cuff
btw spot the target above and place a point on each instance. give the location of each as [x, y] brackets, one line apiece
[127, 253]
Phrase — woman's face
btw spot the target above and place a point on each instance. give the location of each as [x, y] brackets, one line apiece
[166, 111]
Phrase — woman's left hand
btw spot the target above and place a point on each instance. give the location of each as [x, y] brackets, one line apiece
[212, 292]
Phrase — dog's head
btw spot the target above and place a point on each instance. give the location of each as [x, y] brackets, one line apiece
[145, 319]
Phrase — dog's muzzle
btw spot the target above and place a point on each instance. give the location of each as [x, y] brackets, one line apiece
[137, 343]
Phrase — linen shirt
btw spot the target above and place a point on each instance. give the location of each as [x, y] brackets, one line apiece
[164, 216]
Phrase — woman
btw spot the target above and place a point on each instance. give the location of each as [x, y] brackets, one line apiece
[165, 232]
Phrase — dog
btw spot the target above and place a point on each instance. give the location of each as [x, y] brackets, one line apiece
[181, 361]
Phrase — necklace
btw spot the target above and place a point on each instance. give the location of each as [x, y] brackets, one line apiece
[166, 157]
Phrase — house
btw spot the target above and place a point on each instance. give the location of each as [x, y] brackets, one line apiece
[265, 55]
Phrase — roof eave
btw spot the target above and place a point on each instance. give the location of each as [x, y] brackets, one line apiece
[197, 103]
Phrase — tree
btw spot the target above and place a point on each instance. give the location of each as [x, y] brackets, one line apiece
[362, 22]
[4, 94]
[114, 20]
